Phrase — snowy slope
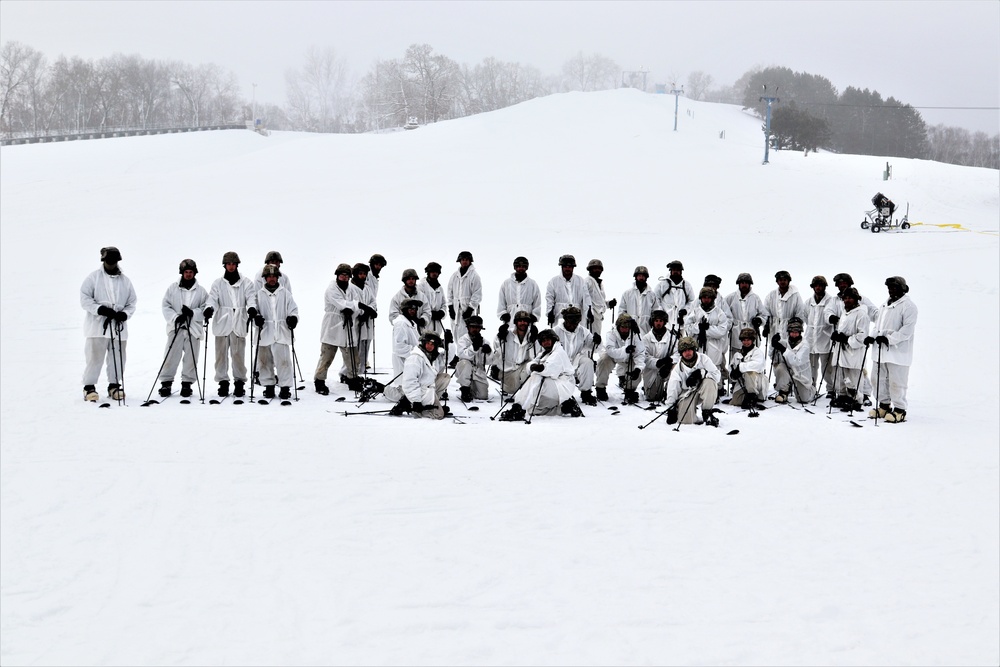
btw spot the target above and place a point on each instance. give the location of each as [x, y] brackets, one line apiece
[262, 535]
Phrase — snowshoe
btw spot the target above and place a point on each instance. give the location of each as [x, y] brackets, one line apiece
[897, 416]
[115, 392]
[782, 397]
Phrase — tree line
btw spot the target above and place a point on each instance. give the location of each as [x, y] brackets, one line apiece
[74, 95]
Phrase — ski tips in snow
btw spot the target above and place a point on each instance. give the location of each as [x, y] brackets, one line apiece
[733, 432]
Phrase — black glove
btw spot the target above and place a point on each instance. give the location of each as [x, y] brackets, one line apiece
[597, 339]
[346, 312]
[551, 317]
[613, 303]
[634, 326]
[259, 321]
[121, 316]
[671, 415]
[208, 313]
[776, 340]
[486, 348]
[665, 371]
[252, 313]
[682, 313]
[869, 340]
[778, 347]
[187, 312]
[449, 338]
[291, 321]
[629, 349]
[702, 326]
[834, 319]
[694, 378]
[755, 322]
[634, 373]
[660, 363]
[767, 329]
[437, 315]
[477, 341]
[467, 313]
[369, 312]
[179, 322]
[502, 331]
[882, 340]
[736, 374]
[839, 337]
[702, 339]
[451, 312]
[421, 322]
[537, 368]
[533, 333]
[418, 407]
[104, 311]
[505, 318]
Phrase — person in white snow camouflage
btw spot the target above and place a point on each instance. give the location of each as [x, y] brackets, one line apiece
[819, 331]
[513, 351]
[465, 293]
[473, 353]
[184, 310]
[579, 344]
[747, 310]
[272, 258]
[599, 303]
[835, 310]
[793, 374]
[432, 298]
[343, 308]
[550, 387]
[370, 297]
[109, 300]
[519, 292]
[366, 321]
[708, 324]
[677, 296]
[849, 339]
[425, 380]
[641, 300]
[694, 381]
[782, 304]
[660, 347]
[405, 336]
[277, 317]
[564, 290]
[625, 353]
[747, 369]
[894, 329]
[232, 302]
[408, 291]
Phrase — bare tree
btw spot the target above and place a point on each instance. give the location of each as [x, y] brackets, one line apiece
[590, 72]
[435, 78]
[318, 95]
[17, 63]
[698, 84]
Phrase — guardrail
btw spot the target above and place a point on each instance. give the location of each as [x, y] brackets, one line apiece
[109, 133]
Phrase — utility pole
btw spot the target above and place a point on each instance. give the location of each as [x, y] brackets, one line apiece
[254, 105]
[767, 123]
[676, 93]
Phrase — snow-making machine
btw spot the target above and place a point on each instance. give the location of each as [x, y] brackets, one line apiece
[880, 217]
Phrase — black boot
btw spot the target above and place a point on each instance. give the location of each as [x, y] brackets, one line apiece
[238, 389]
[513, 414]
[708, 418]
[269, 391]
[165, 389]
[402, 406]
[186, 390]
[286, 393]
[90, 393]
[321, 388]
[571, 408]
[631, 397]
[602, 394]
[224, 388]
[587, 397]
[465, 394]
[355, 384]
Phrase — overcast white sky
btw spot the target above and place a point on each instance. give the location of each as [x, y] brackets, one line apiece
[925, 53]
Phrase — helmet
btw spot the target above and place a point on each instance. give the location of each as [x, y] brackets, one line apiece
[567, 260]
[676, 264]
[897, 280]
[658, 315]
[687, 343]
[795, 324]
[474, 321]
[712, 280]
[342, 268]
[110, 255]
[572, 314]
[410, 303]
[818, 280]
[432, 267]
[430, 336]
[187, 264]
[706, 291]
[640, 269]
[523, 315]
[852, 293]
[465, 254]
[359, 268]
[624, 320]
[520, 260]
[595, 264]
[548, 334]
[748, 333]
[410, 273]
[270, 270]
[843, 277]
[378, 259]
[230, 258]
[744, 278]
[273, 257]
[783, 274]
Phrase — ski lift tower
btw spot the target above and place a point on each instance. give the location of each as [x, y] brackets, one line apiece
[767, 123]
[676, 92]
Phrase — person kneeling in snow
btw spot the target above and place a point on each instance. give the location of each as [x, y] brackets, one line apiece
[424, 380]
[747, 366]
[550, 387]
[694, 381]
[795, 365]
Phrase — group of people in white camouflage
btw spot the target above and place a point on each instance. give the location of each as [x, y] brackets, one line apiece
[685, 349]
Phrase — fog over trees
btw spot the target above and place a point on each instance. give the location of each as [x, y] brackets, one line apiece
[69, 95]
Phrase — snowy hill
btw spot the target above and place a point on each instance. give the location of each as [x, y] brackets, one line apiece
[260, 535]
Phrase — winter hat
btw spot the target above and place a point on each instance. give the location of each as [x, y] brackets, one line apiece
[342, 268]
[658, 315]
[783, 274]
[270, 270]
[640, 269]
[359, 268]
[110, 255]
[712, 280]
[187, 264]
[572, 314]
[748, 333]
[432, 267]
[595, 264]
[465, 254]
[273, 257]
[687, 343]
[744, 278]
[898, 280]
[378, 259]
[409, 273]
[676, 264]
[430, 336]
[567, 260]
[818, 280]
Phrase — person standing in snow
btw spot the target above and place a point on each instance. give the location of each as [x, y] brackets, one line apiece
[405, 337]
[782, 304]
[566, 289]
[849, 339]
[277, 316]
[370, 297]
[747, 310]
[694, 381]
[677, 296]
[432, 298]
[640, 300]
[231, 300]
[109, 300]
[894, 328]
[343, 306]
[272, 258]
[519, 292]
[835, 310]
[408, 291]
[184, 310]
[465, 293]
[599, 303]
[819, 331]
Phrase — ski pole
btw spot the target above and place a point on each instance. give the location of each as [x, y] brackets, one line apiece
[194, 359]
[256, 359]
[861, 376]
[753, 410]
[523, 382]
[295, 382]
[165, 356]
[878, 382]
[538, 397]
[114, 361]
[204, 367]
[349, 325]
[836, 367]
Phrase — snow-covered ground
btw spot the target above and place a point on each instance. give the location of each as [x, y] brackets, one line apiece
[245, 534]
